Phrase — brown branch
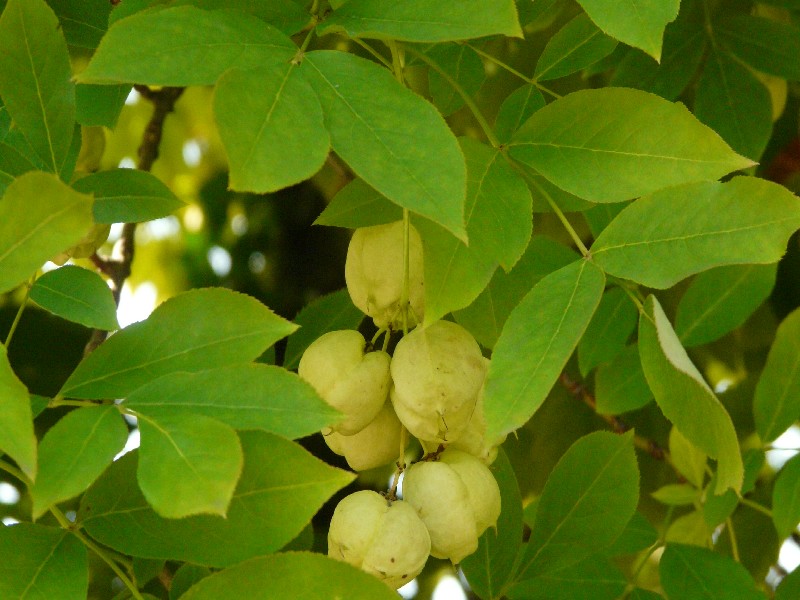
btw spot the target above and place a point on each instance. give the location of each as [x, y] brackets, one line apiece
[578, 390]
[118, 267]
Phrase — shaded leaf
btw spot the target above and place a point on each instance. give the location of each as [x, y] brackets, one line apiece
[280, 489]
[789, 588]
[667, 236]
[591, 493]
[693, 573]
[518, 106]
[620, 386]
[74, 452]
[720, 300]
[685, 398]
[269, 578]
[78, 295]
[12, 165]
[39, 218]
[786, 498]
[637, 535]
[128, 196]
[608, 331]
[536, 342]
[245, 396]
[185, 577]
[42, 562]
[687, 458]
[196, 330]
[461, 63]
[359, 205]
[424, 20]
[765, 44]
[576, 45]
[594, 578]
[17, 439]
[36, 84]
[638, 23]
[326, 313]
[271, 125]
[590, 143]
[100, 105]
[188, 465]
[677, 494]
[83, 23]
[776, 405]
[371, 117]
[192, 46]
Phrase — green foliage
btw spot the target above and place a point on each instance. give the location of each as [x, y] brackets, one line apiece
[572, 168]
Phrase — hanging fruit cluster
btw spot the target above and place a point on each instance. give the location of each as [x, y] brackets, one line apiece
[432, 388]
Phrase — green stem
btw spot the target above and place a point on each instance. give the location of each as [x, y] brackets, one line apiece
[561, 217]
[15, 472]
[397, 61]
[21, 309]
[94, 547]
[732, 536]
[756, 506]
[58, 401]
[656, 545]
[406, 285]
[373, 52]
[513, 71]
[476, 112]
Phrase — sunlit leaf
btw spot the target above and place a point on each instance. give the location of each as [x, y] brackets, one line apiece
[78, 295]
[687, 458]
[17, 439]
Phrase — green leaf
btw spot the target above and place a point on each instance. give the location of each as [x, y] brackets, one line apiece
[78, 295]
[609, 330]
[371, 117]
[36, 84]
[766, 45]
[12, 165]
[694, 573]
[642, 594]
[690, 528]
[491, 565]
[271, 125]
[280, 489]
[83, 23]
[776, 405]
[637, 535]
[592, 144]
[285, 15]
[536, 342]
[42, 562]
[185, 577]
[100, 105]
[594, 578]
[464, 65]
[667, 236]
[720, 300]
[789, 588]
[248, 396]
[17, 439]
[591, 494]
[576, 45]
[735, 104]
[786, 498]
[359, 205]
[638, 23]
[599, 217]
[327, 313]
[196, 330]
[312, 575]
[620, 386]
[485, 317]
[424, 20]
[717, 508]
[517, 108]
[39, 218]
[685, 398]
[38, 404]
[687, 459]
[128, 196]
[147, 569]
[188, 464]
[684, 47]
[677, 494]
[74, 452]
[182, 46]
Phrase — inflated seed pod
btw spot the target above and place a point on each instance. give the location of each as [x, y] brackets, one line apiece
[457, 498]
[386, 539]
[374, 274]
[355, 383]
[376, 445]
[437, 373]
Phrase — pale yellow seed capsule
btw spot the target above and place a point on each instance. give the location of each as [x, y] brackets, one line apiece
[374, 274]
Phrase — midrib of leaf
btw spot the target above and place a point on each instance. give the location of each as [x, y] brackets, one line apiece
[569, 53]
[567, 517]
[719, 232]
[43, 224]
[535, 371]
[183, 457]
[643, 26]
[698, 579]
[78, 456]
[268, 116]
[429, 196]
[782, 398]
[620, 152]
[32, 582]
[72, 298]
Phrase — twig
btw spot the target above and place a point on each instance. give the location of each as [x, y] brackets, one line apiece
[118, 267]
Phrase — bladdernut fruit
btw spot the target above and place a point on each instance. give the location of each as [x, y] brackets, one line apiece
[374, 274]
[386, 539]
[457, 498]
[375, 445]
[437, 373]
[354, 383]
